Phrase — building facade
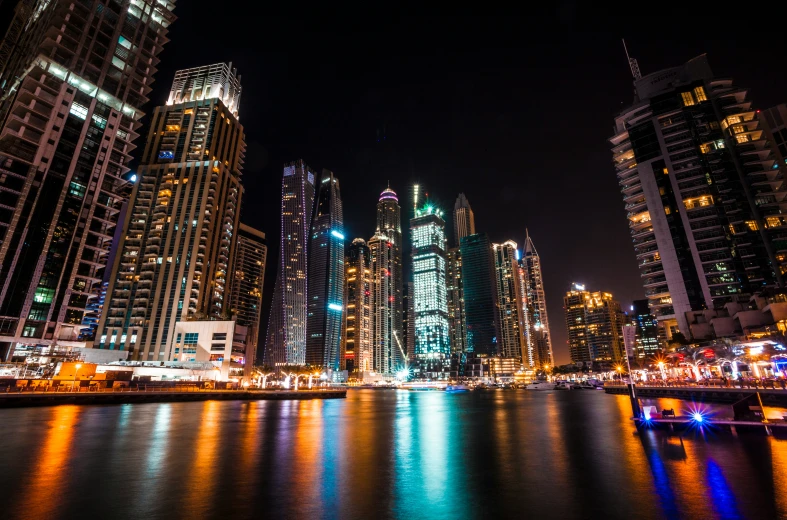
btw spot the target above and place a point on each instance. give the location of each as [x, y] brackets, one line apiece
[73, 80]
[248, 271]
[176, 253]
[432, 342]
[221, 343]
[538, 337]
[285, 343]
[646, 326]
[510, 302]
[456, 302]
[357, 335]
[595, 326]
[326, 277]
[464, 219]
[385, 249]
[409, 321]
[480, 295]
[576, 326]
[701, 189]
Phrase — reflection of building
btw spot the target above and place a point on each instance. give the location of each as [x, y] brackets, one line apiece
[326, 278]
[175, 258]
[595, 324]
[647, 330]
[70, 109]
[385, 248]
[480, 294]
[702, 192]
[464, 220]
[432, 344]
[222, 343]
[510, 293]
[456, 301]
[358, 350]
[539, 340]
[286, 340]
[247, 284]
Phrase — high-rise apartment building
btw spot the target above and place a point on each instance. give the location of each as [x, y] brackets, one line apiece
[409, 321]
[247, 283]
[286, 340]
[480, 295]
[774, 124]
[326, 277]
[456, 302]
[595, 326]
[176, 253]
[432, 342]
[464, 220]
[702, 191]
[537, 332]
[385, 248]
[646, 326]
[509, 282]
[357, 336]
[73, 79]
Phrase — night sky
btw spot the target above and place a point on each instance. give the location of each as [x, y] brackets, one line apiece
[515, 113]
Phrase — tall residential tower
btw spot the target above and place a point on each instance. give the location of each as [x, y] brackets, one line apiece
[248, 276]
[357, 335]
[464, 220]
[537, 332]
[510, 283]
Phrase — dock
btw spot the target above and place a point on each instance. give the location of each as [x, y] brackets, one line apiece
[711, 394]
[159, 395]
[687, 423]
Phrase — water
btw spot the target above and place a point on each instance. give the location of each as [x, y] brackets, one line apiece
[380, 454]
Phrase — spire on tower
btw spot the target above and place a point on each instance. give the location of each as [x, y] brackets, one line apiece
[632, 63]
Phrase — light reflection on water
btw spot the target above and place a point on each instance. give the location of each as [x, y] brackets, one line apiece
[382, 454]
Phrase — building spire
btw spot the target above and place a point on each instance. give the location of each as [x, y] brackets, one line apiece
[632, 63]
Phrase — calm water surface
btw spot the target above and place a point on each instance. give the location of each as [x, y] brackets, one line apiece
[381, 454]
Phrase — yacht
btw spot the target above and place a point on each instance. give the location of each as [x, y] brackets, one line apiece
[540, 385]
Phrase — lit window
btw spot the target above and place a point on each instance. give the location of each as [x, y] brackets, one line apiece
[705, 148]
[78, 110]
[667, 210]
[774, 221]
[688, 99]
[752, 224]
[700, 93]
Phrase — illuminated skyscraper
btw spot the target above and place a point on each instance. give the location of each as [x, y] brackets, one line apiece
[286, 341]
[595, 326]
[703, 193]
[510, 301]
[464, 220]
[537, 333]
[73, 79]
[409, 321]
[326, 277]
[180, 237]
[456, 301]
[357, 336]
[385, 248]
[647, 330]
[480, 295]
[247, 283]
[432, 342]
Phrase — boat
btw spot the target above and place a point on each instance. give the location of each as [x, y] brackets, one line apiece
[540, 385]
[563, 385]
[455, 389]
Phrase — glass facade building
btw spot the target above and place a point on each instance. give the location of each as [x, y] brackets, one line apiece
[647, 330]
[464, 220]
[175, 259]
[73, 79]
[247, 284]
[357, 335]
[480, 295]
[456, 300]
[509, 282]
[537, 331]
[285, 343]
[326, 278]
[432, 342]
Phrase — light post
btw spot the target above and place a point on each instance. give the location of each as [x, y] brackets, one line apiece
[619, 368]
[76, 372]
[661, 368]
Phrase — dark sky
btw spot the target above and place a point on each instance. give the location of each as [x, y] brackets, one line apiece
[513, 112]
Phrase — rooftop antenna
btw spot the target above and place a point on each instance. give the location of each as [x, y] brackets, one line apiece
[632, 63]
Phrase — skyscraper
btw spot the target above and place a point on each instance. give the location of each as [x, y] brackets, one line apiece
[357, 335]
[432, 343]
[385, 248]
[537, 331]
[595, 326]
[409, 321]
[646, 330]
[464, 220]
[326, 277]
[456, 302]
[176, 252]
[480, 295]
[510, 302]
[73, 78]
[286, 340]
[701, 190]
[248, 276]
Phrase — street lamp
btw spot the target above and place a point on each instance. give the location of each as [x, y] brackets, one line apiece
[619, 368]
[77, 366]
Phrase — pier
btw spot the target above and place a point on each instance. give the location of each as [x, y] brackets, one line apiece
[717, 394]
[158, 395]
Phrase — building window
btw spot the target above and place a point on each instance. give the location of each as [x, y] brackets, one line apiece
[191, 338]
[752, 224]
[688, 99]
[700, 93]
[219, 336]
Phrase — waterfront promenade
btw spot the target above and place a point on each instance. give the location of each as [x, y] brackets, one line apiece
[774, 396]
[157, 395]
